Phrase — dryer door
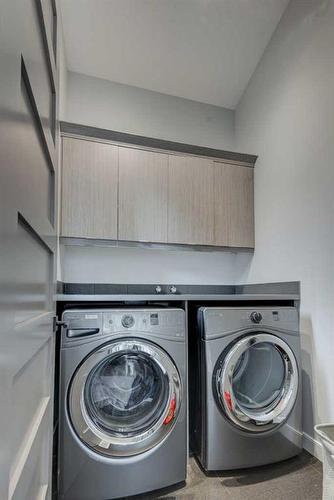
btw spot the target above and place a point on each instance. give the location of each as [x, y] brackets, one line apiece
[125, 397]
[256, 382]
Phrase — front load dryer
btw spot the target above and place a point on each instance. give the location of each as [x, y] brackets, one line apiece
[123, 403]
[246, 410]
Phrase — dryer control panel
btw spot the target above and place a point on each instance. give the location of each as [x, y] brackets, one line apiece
[224, 321]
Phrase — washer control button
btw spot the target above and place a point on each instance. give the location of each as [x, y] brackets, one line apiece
[256, 317]
[128, 321]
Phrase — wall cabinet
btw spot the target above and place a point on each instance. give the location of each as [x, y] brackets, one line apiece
[89, 189]
[143, 191]
[190, 201]
[132, 194]
[233, 206]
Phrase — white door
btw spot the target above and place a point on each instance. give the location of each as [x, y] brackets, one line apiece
[28, 178]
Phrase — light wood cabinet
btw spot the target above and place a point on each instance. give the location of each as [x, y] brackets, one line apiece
[190, 200]
[132, 194]
[143, 191]
[233, 206]
[89, 189]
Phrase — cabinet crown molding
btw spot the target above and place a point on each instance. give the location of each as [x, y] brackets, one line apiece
[162, 145]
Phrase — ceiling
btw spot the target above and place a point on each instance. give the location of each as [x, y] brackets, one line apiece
[205, 50]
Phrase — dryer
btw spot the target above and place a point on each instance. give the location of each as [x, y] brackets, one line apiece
[123, 403]
[246, 409]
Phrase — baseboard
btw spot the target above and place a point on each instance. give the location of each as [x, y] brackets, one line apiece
[312, 446]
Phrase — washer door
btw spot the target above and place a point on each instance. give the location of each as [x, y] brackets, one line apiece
[256, 382]
[125, 397]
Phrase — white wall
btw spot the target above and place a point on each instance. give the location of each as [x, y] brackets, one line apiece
[286, 116]
[101, 103]
[85, 264]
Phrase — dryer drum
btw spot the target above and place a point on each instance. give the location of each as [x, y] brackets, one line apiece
[256, 382]
[125, 397]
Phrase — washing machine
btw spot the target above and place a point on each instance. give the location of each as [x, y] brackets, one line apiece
[123, 402]
[246, 398]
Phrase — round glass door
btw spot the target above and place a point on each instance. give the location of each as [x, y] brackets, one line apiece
[125, 397]
[257, 382]
[126, 394]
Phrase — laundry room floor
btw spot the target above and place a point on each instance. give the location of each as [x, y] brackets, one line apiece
[298, 478]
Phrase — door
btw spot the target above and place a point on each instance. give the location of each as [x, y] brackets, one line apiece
[190, 201]
[256, 382]
[234, 205]
[89, 189]
[125, 398]
[143, 191]
[28, 183]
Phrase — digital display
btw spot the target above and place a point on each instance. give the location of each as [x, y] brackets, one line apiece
[154, 319]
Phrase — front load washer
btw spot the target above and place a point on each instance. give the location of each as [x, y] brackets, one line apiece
[246, 409]
[123, 403]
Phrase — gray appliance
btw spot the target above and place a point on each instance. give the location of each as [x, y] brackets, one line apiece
[247, 407]
[123, 403]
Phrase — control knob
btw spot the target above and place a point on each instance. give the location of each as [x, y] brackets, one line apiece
[128, 321]
[256, 317]
[172, 289]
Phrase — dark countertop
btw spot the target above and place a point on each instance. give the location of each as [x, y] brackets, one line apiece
[100, 292]
[171, 297]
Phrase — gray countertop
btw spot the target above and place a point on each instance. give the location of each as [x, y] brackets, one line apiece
[113, 292]
[175, 297]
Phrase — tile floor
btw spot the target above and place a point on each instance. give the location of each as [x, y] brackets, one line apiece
[299, 478]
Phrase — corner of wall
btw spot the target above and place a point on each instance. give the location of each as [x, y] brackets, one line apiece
[62, 106]
[63, 71]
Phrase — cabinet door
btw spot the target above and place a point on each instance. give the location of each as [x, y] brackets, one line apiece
[89, 189]
[234, 205]
[190, 201]
[143, 188]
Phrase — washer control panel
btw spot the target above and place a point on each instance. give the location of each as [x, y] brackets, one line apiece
[160, 322]
[84, 325]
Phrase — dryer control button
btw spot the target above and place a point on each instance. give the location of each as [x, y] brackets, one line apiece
[128, 321]
[256, 317]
